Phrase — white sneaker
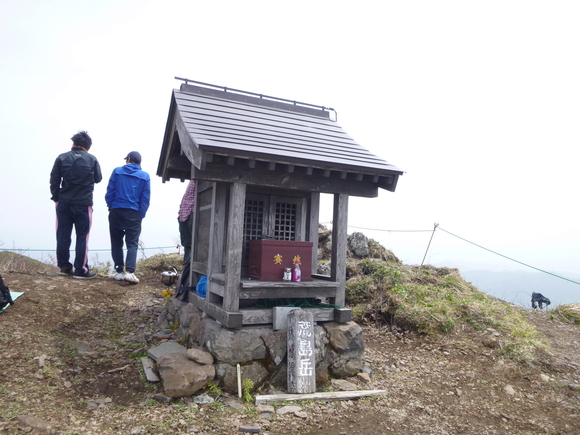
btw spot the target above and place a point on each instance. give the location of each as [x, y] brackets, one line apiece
[119, 276]
[130, 277]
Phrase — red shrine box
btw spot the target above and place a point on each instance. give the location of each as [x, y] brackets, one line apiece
[269, 258]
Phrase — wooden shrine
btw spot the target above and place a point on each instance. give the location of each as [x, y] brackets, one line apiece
[260, 164]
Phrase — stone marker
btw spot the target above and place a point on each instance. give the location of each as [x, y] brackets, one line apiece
[301, 360]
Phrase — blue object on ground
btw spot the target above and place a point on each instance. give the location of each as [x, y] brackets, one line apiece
[201, 287]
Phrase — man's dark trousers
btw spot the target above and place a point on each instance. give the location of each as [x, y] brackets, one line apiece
[185, 234]
[67, 216]
[124, 223]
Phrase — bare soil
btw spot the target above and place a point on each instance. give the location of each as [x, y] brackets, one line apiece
[70, 364]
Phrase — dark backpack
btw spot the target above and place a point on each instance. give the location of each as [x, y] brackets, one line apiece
[5, 296]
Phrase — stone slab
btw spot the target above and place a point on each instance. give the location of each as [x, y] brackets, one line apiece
[166, 348]
[342, 315]
[149, 369]
[280, 317]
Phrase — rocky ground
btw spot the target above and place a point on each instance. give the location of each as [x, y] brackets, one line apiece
[70, 364]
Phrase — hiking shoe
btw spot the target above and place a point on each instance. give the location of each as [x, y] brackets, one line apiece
[130, 277]
[80, 275]
[65, 271]
[119, 276]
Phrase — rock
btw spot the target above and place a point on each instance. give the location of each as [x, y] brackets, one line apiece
[167, 348]
[83, 347]
[228, 375]
[164, 335]
[233, 403]
[182, 376]
[358, 244]
[509, 390]
[41, 361]
[279, 378]
[345, 337]
[199, 356]
[232, 346]
[161, 398]
[34, 423]
[364, 376]
[347, 365]
[342, 385]
[250, 429]
[320, 343]
[276, 345]
[544, 377]
[186, 315]
[203, 399]
[288, 409]
[150, 369]
[265, 408]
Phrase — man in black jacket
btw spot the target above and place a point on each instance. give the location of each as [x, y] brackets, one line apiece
[72, 181]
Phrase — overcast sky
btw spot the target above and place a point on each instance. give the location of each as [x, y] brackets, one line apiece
[478, 102]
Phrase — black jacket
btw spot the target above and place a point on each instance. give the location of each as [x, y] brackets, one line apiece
[73, 177]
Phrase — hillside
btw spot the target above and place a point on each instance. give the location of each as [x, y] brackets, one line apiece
[452, 359]
[517, 286]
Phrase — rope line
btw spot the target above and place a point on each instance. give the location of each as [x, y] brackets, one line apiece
[388, 231]
[509, 258]
[392, 231]
[475, 244]
[90, 250]
[350, 226]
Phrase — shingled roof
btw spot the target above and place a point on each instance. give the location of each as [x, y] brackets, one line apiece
[210, 125]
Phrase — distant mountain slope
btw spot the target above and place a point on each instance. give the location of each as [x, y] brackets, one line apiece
[517, 286]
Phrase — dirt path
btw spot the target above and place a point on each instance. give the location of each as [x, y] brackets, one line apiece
[70, 354]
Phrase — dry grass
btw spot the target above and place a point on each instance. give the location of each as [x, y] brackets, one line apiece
[161, 263]
[17, 262]
[570, 312]
[435, 301]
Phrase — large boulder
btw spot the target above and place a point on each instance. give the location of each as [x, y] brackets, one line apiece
[187, 315]
[345, 337]
[347, 365]
[277, 345]
[233, 346]
[182, 376]
[228, 375]
[347, 348]
[200, 357]
[358, 244]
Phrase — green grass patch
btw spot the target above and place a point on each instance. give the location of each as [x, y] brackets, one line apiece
[435, 301]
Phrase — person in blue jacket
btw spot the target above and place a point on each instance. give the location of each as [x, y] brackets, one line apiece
[128, 196]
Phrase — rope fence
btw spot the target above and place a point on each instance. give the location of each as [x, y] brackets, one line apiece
[436, 226]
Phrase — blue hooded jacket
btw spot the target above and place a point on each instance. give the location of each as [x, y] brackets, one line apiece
[129, 187]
